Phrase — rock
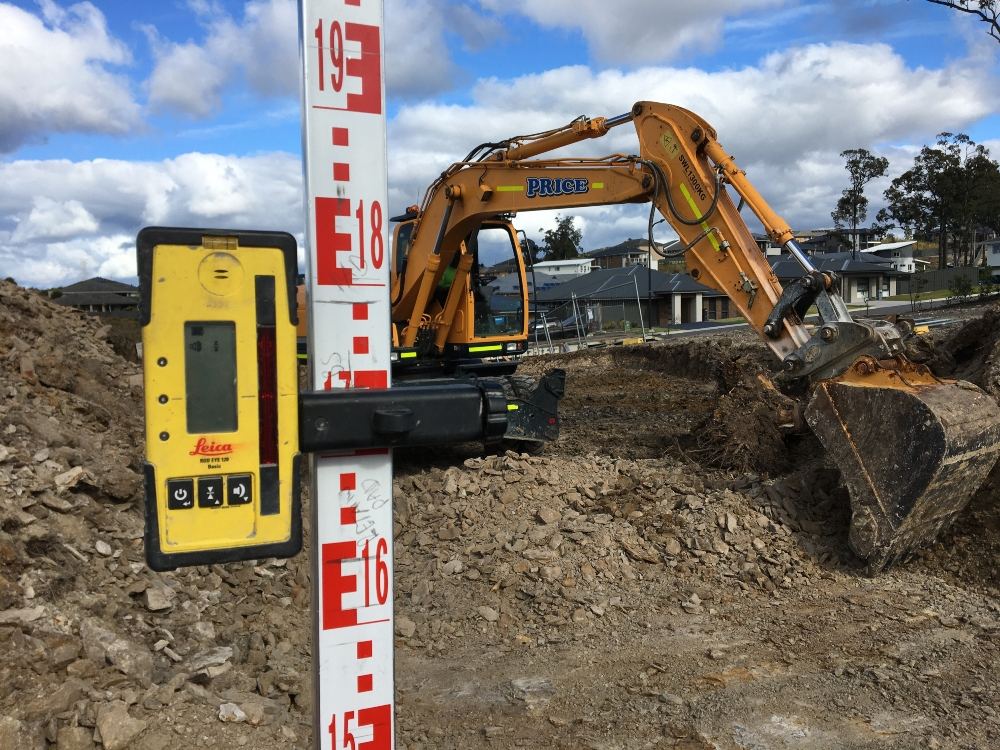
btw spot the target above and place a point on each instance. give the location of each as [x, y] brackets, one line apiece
[103, 548]
[421, 592]
[69, 479]
[533, 691]
[550, 572]
[213, 657]
[55, 701]
[75, 738]
[635, 549]
[203, 630]
[104, 646]
[405, 627]
[230, 712]
[548, 515]
[21, 616]
[117, 728]
[452, 567]
[56, 503]
[488, 613]
[18, 735]
[255, 712]
[158, 598]
[672, 547]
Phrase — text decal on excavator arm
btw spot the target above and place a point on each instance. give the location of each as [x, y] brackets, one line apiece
[345, 159]
[540, 187]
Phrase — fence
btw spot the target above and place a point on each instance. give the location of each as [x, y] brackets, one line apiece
[928, 281]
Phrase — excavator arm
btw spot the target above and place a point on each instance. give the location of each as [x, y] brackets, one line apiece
[912, 448]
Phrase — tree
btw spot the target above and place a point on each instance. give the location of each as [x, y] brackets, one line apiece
[563, 242]
[532, 251]
[988, 11]
[951, 191]
[852, 208]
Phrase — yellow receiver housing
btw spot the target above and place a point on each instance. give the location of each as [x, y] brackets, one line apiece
[221, 395]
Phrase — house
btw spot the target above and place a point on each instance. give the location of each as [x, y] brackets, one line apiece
[99, 295]
[565, 269]
[899, 254]
[862, 276]
[992, 253]
[509, 285]
[631, 252]
[766, 244]
[835, 240]
[631, 293]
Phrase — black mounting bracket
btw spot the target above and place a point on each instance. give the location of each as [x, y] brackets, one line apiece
[402, 416]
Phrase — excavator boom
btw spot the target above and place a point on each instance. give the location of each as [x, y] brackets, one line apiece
[912, 448]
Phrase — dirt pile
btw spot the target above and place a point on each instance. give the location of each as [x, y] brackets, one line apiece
[537, 545]
[621, 591]
[969, 352]
[98, 650]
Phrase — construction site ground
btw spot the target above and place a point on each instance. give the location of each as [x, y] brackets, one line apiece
[671, 573]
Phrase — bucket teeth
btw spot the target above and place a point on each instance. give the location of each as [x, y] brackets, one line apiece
[911, 454]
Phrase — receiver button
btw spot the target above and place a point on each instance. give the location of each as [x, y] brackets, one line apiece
[239, 490]
[180, 494]
[209, 492]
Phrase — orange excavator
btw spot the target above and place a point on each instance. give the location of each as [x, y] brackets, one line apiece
[912, 448]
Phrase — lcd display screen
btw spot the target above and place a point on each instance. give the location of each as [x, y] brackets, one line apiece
[210, 376]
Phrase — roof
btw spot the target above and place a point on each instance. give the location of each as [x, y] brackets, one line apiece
[562, 263]
[99, 284]
[786, 267]
[98, 292]
[101, 299]
[633, 247]
[889, 246]
[628, 247]
[509, 283]
[623, 284]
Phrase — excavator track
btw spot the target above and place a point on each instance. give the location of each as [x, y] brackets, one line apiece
[912, 450]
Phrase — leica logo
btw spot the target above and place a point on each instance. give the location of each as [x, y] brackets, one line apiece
[205, 448]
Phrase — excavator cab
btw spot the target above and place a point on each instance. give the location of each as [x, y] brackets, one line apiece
[478, 302]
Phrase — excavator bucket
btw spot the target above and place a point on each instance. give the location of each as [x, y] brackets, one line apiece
[912, 450]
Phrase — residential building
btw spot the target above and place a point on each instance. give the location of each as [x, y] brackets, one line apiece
[99, 295]
[863, 277]
[628, 293]
[835, 240]
[631, 252]
[565, 269]
[992, 252]
[899, 254]
[766, 244]
[509, 285]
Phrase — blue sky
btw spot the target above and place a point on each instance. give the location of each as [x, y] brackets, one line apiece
[117, 114]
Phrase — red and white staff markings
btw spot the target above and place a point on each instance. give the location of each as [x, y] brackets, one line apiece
[349, 348]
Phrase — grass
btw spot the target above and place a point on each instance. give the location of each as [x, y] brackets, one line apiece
[924, 296]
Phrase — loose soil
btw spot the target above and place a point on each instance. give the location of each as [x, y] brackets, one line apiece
[671, 573]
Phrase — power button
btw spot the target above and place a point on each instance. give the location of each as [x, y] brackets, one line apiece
[180, 494]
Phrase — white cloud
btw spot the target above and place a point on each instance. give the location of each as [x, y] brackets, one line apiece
[637, 31]
[262, 48]
[55, 75]
[49, 219]
[785, 119]
[187, 78]
[63, 221]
